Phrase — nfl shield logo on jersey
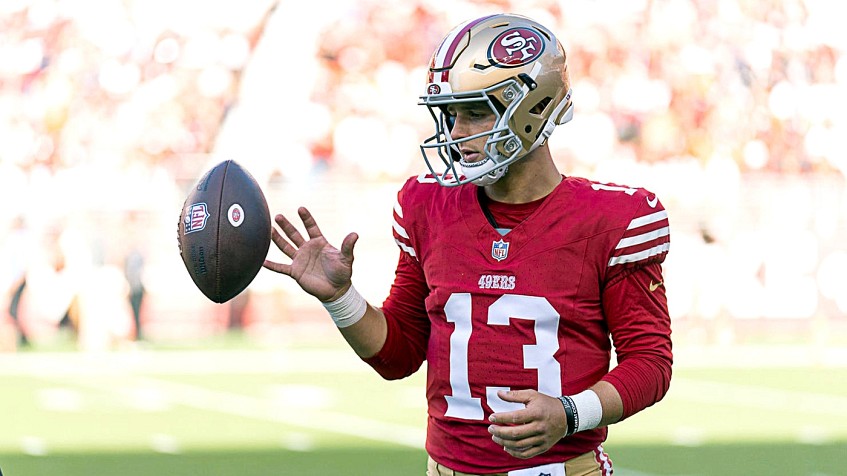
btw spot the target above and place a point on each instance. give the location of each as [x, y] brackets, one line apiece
[500, 250]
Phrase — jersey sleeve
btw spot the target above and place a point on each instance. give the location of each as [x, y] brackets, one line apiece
[405, 309]
[646, 238]
[635, 305]
[637, 314]
[401, 235]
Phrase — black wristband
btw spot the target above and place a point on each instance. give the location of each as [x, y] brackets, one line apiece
[571, 414]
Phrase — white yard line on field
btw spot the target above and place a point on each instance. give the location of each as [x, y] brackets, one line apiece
[262, 409]
[268, 409]
[193, 362]
[758, 396]
[121, 372]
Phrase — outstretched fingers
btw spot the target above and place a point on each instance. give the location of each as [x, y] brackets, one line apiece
[310, 223]
[290, 231]
[290, 240]
[277, 267]
[282, 243]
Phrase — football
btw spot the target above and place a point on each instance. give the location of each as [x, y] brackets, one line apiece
[224, 231]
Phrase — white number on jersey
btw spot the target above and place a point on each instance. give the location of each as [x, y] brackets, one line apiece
[539, 356]
[614, 188]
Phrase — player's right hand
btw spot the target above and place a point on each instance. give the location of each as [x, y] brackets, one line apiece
[319, 268]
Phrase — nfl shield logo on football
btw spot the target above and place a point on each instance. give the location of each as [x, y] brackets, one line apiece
[500, 250]
[195, 218]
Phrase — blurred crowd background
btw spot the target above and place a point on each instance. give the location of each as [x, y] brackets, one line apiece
[733, 111]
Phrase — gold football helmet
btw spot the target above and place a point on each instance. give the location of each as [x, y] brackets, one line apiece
[514, 65]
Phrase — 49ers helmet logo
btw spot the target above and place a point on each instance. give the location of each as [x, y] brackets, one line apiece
[515, 47]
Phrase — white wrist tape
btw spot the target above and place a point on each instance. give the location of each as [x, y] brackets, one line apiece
[590, 410]
[348, 309]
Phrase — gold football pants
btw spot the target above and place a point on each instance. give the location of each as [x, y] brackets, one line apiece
[582, 465]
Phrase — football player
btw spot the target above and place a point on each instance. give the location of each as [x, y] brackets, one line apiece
[514, 281]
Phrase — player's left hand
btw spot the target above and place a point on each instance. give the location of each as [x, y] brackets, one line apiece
[532, 430]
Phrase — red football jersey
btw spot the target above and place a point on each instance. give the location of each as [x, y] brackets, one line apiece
[533, 309]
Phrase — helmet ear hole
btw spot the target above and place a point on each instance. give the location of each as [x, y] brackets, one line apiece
[528, 128]
[539, 107]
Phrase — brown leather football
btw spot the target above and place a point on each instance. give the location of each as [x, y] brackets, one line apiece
[224, 231]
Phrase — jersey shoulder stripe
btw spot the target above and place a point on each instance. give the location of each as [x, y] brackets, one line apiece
[401, 236]
[647, 236]
[406, 248]
[416, 191]
[398, 218]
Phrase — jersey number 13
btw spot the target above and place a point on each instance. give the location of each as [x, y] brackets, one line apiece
[539, 356]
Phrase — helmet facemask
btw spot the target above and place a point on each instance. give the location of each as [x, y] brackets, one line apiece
[502, 146]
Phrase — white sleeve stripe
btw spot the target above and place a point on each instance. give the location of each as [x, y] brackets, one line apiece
[643, 238]
[408, 249]
[641, 255]
[398, 209]
[400, 230]
[647, 219]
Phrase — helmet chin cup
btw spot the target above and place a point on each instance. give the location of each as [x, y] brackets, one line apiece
[490, 177]
[484, 172]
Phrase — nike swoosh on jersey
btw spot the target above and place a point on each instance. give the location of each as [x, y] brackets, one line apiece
[655, 286]
[652, 203]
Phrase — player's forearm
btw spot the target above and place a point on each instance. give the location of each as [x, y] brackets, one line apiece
[367, 336]
[640, 381]
[611, 401]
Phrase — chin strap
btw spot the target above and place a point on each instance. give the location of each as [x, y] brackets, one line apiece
[491, 177]
[491, 174]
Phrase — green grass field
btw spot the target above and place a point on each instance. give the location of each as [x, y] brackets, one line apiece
[320, 411]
